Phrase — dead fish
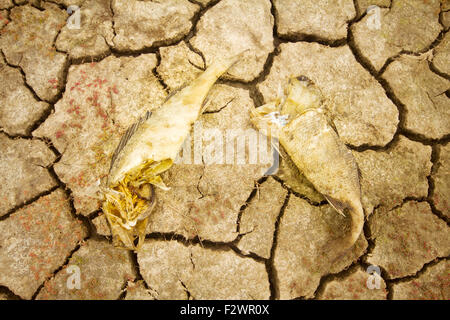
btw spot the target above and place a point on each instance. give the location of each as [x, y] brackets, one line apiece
[298, 118]
[147, 149]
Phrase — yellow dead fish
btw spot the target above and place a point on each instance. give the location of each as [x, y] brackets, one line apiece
[308, 136]
[148, 148]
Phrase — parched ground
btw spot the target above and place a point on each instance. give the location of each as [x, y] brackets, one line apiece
[224, 231]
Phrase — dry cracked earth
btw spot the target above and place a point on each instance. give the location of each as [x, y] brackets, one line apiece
[224, 231]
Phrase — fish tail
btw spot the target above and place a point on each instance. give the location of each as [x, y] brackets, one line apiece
[265, 119]
[200, 87]
[354, 209]
[335, 251]
[216, 69]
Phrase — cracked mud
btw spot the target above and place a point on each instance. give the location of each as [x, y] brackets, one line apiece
[223, 231]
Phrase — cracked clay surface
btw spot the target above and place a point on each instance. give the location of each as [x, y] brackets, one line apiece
[224, 230]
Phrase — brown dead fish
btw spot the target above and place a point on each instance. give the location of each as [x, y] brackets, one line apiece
[148, 148]
[308, 136]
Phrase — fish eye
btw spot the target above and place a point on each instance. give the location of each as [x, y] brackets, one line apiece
[304, 79]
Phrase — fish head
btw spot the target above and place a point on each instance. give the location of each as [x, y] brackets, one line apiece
[301, 94]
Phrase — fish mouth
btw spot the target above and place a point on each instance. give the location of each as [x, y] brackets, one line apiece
[128, 204]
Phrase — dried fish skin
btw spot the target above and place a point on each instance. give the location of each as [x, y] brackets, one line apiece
[148, 148]
[300, 122]
[161, 136]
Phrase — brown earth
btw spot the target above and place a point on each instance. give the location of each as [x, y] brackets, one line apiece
[224, 231]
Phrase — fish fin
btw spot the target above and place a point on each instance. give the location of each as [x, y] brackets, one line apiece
[348, 155]
[126, 137]
[359, 171]
[333, 126]
[276, 159]
[260, 117]
[339, 206]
